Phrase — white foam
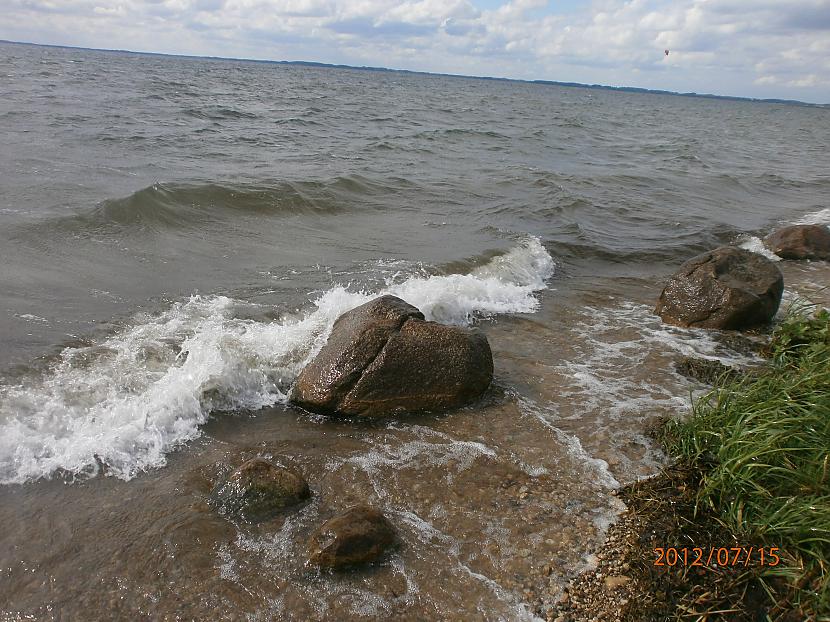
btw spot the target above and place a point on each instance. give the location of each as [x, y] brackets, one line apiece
[141, 393]
[504, 285]
[756, 245]
[821, 217]
[227, 566]
[428, 534]
[598, 468]
[615, 341]
[420, 454]
[621, 374]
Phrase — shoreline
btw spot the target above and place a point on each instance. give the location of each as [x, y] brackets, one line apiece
[654, 563]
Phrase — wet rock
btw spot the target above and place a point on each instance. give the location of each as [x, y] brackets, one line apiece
[258, 490]
[727, 288]
[359, 535]
[800, 242]
[383, 358]
[705, 370]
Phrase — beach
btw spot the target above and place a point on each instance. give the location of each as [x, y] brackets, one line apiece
[179, 235]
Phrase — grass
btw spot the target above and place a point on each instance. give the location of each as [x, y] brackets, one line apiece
[759, 445]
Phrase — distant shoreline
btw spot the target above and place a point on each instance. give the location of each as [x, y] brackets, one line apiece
[303, 63]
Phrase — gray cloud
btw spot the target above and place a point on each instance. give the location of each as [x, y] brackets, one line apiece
[759, 48]
[364, 27]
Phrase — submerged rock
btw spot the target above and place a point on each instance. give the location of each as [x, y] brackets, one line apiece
[383, 358]
[359, 535]
[800, 242]
[727, 288]
[258, 490]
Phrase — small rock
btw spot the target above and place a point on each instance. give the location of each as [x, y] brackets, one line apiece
[359, 535]
[258, 490]
[800, 242]
[704, 370]
[612, 583]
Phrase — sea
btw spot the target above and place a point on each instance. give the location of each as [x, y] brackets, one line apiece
[178, 235]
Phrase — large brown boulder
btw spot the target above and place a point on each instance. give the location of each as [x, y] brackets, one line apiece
[727, 288]
[383, 358]
[258, 490]
[357, 536]
[800, 242]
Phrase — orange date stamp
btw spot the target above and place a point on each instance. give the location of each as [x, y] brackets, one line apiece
[712, 557]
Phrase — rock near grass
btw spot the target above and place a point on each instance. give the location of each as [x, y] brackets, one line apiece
[706, 371]
[383, 358]
[727, 288]
[800, 242]
[359, 535]
[259, 490]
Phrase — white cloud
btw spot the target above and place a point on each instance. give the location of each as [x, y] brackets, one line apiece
[775, 48]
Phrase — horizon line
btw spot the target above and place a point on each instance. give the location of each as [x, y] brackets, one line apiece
[566, 84]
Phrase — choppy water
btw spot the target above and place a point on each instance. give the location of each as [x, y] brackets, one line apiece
[177, 237]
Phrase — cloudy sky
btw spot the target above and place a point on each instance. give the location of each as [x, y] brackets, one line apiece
[757, 48]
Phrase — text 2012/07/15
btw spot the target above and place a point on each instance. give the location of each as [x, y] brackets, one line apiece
[717, 556]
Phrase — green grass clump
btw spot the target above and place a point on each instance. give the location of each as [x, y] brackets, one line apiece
[761, 443]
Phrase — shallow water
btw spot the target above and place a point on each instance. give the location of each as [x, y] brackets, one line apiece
[178, 235]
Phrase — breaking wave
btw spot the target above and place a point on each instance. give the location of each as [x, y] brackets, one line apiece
[756, 245]
[820, 217]
[120, 406]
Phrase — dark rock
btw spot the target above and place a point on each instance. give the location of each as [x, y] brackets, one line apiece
[356, 339]
[800, 242]
[727, 288]
[705, 370]
[383, 358]
[359, 535]
[258, 490]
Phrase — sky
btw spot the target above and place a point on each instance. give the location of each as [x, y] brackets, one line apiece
[760, 48]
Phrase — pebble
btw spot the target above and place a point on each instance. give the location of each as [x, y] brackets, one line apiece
[612, 583]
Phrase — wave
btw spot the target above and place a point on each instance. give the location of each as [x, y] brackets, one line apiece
[180, 206]
[820, 217]
[172, 206]
[218, 113]
[120, 406]
[459, 131]
[599, 242]
[756, 245]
